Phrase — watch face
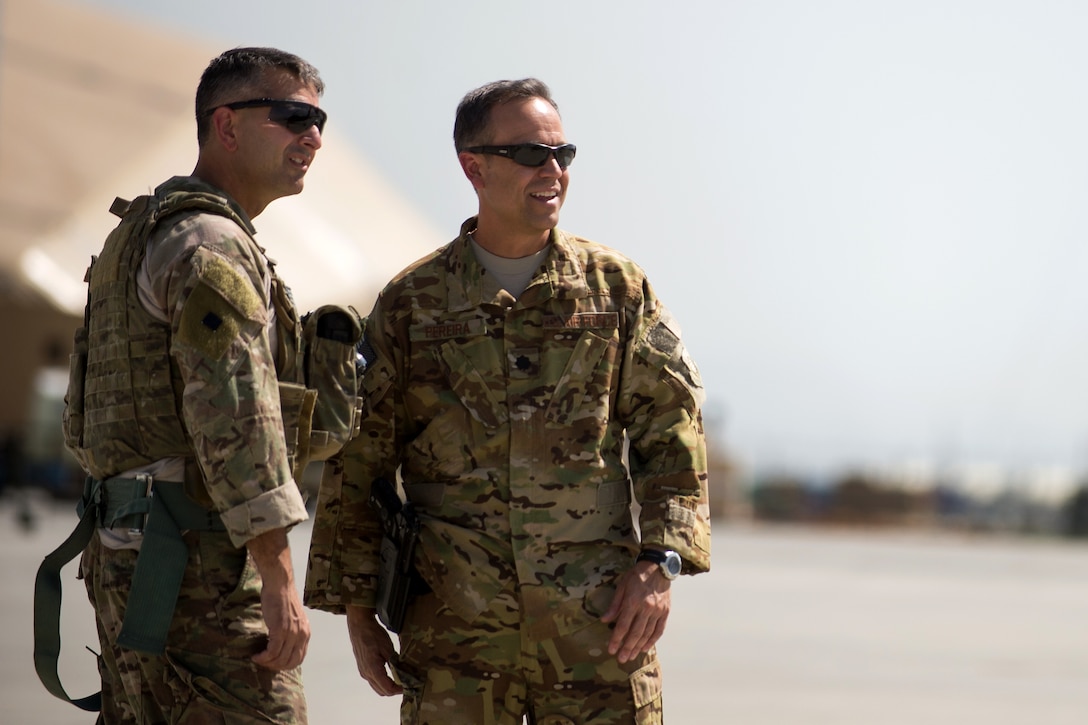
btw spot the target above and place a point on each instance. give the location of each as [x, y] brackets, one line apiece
[673, 564]
[669, 561]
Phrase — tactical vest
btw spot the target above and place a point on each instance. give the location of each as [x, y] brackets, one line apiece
[123, 406]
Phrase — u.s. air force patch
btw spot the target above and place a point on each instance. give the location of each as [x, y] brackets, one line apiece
[219, 306]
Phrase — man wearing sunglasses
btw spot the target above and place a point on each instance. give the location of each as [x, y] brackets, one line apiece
[188, 399]
[507, 373]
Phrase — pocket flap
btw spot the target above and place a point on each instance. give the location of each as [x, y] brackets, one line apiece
[646, 684]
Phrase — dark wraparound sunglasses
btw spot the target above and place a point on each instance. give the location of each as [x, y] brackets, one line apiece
[531, 154]
[295, 116]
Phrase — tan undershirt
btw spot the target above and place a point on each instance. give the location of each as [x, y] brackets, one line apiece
[513, 275]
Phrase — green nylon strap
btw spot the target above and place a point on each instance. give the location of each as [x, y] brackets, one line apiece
[156, 580]
[47, 596]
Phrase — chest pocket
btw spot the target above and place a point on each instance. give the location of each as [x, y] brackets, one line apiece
[583, 385]
[469, 366]
[580, 362]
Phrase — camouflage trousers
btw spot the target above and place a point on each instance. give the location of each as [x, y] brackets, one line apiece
[205, 675]
[491, 673]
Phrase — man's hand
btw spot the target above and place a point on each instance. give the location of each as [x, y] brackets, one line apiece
[288, 627]
[373, 648]
[639, 608]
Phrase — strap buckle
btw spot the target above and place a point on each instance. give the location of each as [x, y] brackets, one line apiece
[145, 480]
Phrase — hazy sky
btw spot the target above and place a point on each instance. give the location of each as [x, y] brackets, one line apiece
[868, 216]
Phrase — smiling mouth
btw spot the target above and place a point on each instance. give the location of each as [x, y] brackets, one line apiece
[545, 195]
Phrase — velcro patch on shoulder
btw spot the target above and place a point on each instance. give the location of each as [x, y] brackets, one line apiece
[663, 339]
[236, 289]
[209, 323]
[219, 309]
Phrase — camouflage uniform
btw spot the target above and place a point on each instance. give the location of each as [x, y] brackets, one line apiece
[195, 394]
[506, 421]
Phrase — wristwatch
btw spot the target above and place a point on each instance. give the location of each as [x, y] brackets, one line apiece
[669, 561]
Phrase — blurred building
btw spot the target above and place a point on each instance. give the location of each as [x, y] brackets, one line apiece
[93, 106]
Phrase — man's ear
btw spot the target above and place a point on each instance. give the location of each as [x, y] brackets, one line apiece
[470, 164]
[224, 129]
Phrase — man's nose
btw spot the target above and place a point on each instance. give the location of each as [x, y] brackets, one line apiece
[312, 137]
[551, 167]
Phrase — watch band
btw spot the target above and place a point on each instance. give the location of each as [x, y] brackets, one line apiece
[657, 557]
[669, 561]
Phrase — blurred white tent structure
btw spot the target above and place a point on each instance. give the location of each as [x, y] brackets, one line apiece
[94, 106]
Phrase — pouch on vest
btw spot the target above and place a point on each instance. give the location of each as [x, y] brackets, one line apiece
[74, 407]
[329, 336]
[297, 409]
[72, 418]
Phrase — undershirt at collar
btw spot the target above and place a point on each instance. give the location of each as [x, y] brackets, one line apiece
[513, 275]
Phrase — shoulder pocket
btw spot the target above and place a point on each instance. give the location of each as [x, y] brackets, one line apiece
[222, 306]
[663, 349]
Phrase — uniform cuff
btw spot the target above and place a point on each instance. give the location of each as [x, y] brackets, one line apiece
[358, 590]
[680, 529]
[279, 508]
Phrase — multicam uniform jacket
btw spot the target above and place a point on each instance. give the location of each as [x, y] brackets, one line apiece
[506, 421]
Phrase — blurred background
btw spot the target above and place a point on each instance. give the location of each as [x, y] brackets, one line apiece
[864, 214]
[867, 216]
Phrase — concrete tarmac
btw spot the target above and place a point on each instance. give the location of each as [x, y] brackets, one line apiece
[793, 627]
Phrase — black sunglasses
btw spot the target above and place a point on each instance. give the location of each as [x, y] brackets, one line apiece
[295, 116]
[531, 154]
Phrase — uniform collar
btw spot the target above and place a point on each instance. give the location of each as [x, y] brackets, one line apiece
[563, 275]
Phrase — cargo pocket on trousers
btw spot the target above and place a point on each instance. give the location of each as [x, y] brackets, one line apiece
[413, 690]
[646, 692]
[237, 690]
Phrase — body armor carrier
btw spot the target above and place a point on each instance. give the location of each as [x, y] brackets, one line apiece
[122, 410]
